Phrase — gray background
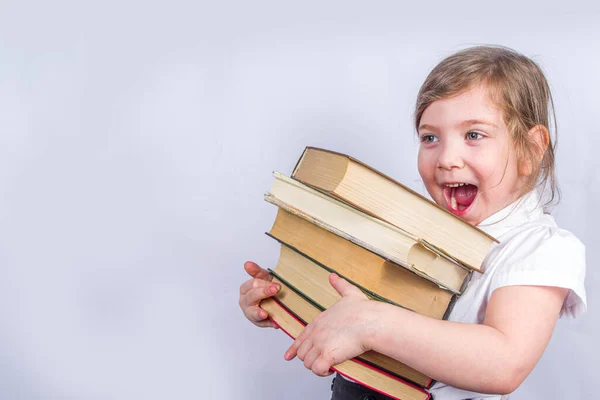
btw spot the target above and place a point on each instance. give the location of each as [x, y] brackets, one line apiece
[137, 140]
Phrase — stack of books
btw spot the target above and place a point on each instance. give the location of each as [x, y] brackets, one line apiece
[339, 215]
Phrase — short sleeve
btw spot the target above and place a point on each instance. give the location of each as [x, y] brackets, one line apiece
[554, 258]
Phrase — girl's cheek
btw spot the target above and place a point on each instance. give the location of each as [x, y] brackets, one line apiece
[424, 163]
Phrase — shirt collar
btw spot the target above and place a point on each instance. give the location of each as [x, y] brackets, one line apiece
[527, 208]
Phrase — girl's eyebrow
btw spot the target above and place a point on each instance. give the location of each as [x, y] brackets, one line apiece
[477, 122]
[465, 123]
[428, 127]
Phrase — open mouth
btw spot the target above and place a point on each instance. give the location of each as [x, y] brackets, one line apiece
[459, 197]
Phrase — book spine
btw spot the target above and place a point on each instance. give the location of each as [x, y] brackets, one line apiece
[450, 307]
[300, 160]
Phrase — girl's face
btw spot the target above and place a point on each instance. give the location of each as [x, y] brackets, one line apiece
[466, 156]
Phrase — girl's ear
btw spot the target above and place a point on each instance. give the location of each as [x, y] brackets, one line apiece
[538, 139]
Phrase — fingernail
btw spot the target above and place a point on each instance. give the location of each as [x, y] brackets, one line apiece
[273, 289]
[262, 314]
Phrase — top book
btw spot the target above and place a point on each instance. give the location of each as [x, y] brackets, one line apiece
[363, 187]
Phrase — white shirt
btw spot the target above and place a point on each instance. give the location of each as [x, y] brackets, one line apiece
[533, 250]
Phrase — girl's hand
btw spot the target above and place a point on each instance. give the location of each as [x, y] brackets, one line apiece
[253, 291]
[338, 333]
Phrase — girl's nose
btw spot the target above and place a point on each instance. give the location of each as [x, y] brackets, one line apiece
[450, 157]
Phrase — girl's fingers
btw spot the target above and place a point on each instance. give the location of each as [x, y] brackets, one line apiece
[310, 357]
[254, 296]
[244, 287]
[255, 314]
[257, 272]
[293, 349]
[259, 317]
[254, 284]
[253, 291]
[321, 367]
[267, 323]
[304, 349]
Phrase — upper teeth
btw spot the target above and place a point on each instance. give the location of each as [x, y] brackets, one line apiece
[455, 184]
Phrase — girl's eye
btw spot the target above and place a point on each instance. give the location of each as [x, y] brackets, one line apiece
[428, 138]
[474, 135]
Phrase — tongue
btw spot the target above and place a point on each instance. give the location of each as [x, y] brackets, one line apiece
[465, 195]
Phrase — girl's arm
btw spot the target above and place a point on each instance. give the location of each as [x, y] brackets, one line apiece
[494, 357]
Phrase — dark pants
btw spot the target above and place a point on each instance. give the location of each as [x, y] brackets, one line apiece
[343, 389]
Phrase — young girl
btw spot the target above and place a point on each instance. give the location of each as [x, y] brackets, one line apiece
[483, 118]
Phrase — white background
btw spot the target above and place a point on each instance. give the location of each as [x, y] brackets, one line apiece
[137, 140]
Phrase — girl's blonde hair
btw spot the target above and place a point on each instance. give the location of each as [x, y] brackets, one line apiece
[517, 86]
